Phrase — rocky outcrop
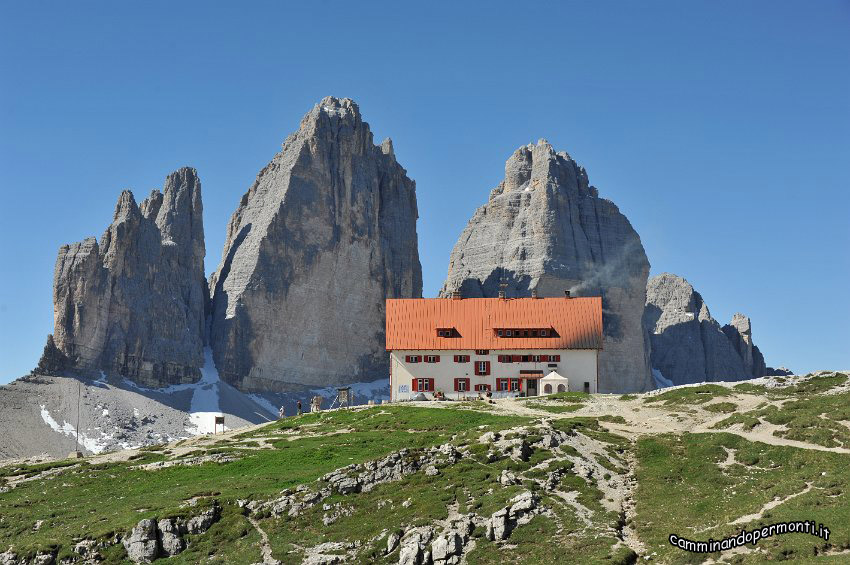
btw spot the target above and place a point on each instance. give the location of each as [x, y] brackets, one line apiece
[688, 345]
[545, 228]
[325, 234]
[150, 539]
[740, 334]
[133, 304]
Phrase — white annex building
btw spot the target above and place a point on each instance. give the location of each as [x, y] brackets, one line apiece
[462, 346]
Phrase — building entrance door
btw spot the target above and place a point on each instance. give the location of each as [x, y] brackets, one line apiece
[531, 387]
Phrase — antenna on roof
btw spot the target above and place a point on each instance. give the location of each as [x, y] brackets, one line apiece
[503, 284]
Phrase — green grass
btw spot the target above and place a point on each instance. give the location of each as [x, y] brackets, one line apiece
[813, 418]
[554, 409]
[682, 489]
[721, 407]
[72, 502]
[690, 395]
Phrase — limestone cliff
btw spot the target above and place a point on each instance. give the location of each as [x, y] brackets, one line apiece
[688, 345]
[325, 234]
[133, 304]
[545, 228]
[740, 334]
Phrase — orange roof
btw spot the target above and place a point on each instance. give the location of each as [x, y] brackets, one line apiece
[412, 322]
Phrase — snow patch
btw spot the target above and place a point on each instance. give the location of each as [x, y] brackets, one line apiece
[660, 381]
[94, 445]
[205, 400]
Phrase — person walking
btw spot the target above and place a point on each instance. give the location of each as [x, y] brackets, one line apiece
[281, 413]
[298, 405]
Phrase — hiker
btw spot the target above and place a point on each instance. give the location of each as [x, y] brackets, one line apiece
[298, 405]
[281, 413]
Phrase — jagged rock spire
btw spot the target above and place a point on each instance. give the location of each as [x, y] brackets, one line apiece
[325, 234]
[545, 228]
[133, 304]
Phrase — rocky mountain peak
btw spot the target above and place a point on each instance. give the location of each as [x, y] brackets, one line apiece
[544, 228]
[538, 165]
[324, 235]
[133, 304]
[687, 344]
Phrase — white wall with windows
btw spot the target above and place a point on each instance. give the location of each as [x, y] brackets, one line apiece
[459, 373]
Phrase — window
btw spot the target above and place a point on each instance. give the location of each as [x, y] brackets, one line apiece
[422, 385]
[413, 358]
[482, 388]
[526, 332]
[482, 351]
[505, 359]
[432, 358]
[555, 358]
[461, 385]
[536, 358]
[461, 358]
[482, 368]
[508, 385]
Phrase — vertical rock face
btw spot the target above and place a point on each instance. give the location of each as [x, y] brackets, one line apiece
[688, 345]
[325, 234]
[545, 228]
[134, 303]
[740, 334]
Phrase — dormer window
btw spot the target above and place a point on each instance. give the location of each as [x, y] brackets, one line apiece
[526, 332]
[446, 332]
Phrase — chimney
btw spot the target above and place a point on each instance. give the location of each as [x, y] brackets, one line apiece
[502, 293]
[566, 294]
[456, 295]
[534, 293]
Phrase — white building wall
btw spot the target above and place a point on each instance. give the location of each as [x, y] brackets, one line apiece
[578, 365]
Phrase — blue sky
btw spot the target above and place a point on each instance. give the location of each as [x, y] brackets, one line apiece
[721, 129]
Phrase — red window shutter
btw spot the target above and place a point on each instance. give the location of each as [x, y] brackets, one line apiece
[517, 358]
[519, 385]
[544, 358]
[431, 385]
[556, 358]
[456, 380]
[407, 358]
[486, 367]
[456, 358]
[438, 359]
[467, 383]
[414, 386]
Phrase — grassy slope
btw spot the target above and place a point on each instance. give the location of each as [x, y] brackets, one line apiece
[96, 501]
[685, 484]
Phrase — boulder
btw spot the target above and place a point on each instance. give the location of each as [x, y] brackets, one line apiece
[169, 536]
[202, 522]
[545, 229]
[133, 304]
[142, 544]
[323, 237]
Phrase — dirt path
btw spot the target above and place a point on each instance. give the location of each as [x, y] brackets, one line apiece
[648, 419]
